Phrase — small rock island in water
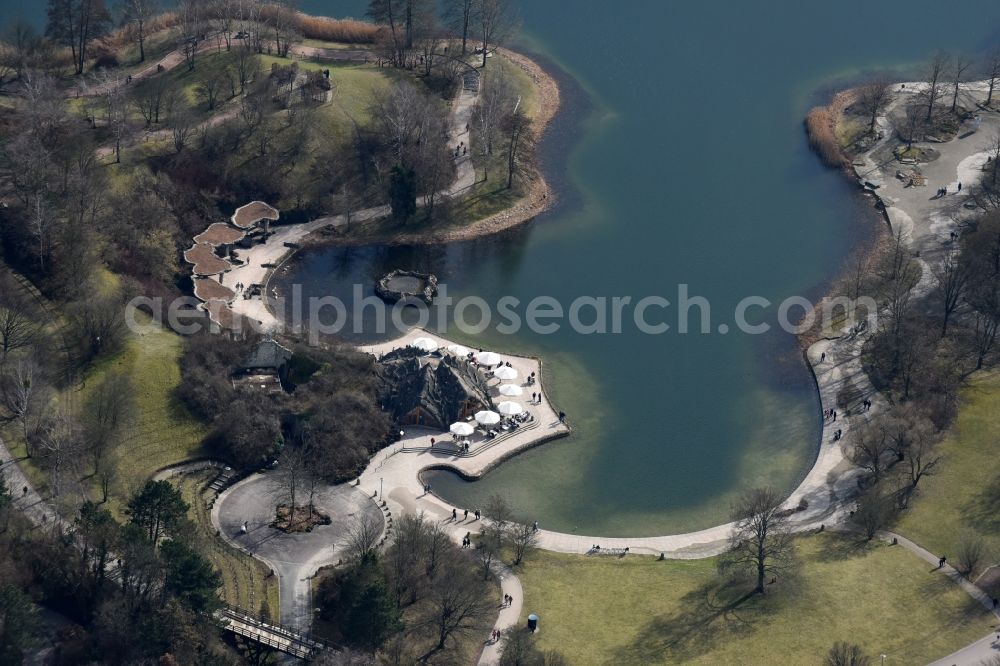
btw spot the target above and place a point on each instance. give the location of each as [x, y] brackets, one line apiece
[400, 285]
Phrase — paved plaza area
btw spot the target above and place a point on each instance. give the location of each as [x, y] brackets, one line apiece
[294, 558]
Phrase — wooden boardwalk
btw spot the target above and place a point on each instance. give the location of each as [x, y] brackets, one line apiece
[274, 636]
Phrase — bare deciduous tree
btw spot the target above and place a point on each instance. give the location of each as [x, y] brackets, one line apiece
[151, 97]
[871, 444]
[18, 329]
[25, 395]
[971, 553]
[60, 446]
[496, 98]
[846, 654]
[24, 46]
[135, 15]
[75, 24]
[291, 474]
[873, 97]
[209, 89]
[182, 126]
[992, 73]
[959, 69]
[872, 512]
[497, 21]
[363, 536]
[109, 411]
[951, 280]
[459, 603]
[247, 66]
[761, 542]
[934, 76]
[192, 25]
[518, 128]
[115, 107]
[522, 539]
[459, 16]
[392, 14]
[281, 20]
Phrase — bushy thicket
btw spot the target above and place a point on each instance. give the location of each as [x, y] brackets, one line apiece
[330, 412]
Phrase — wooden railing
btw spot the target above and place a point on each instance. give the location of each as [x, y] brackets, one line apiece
[283, 639]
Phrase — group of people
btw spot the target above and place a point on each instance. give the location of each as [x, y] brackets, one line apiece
[461, 150]
[477, 514]
[943, 191]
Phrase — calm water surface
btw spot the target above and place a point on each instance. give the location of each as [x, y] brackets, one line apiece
[680, 159]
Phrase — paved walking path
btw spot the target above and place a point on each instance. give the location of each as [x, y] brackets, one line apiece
[507, 619]
[398, 468]
[30, 503]
[982, 650]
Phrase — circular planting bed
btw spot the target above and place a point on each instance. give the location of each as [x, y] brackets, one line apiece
[403, 285]
[302, 519]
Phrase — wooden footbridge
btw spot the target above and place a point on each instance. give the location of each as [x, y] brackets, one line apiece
[283, 639]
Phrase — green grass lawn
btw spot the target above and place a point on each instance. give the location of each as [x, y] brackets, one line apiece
[164, 432]
[338, 46]
[519, 80]
[964, 495]
[640, 611]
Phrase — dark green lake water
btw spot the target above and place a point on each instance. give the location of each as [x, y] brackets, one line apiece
[680, 158]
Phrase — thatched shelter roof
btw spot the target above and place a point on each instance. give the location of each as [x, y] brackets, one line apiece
[205, 261]
[435, 392]
[246, 217]
[208, 289]
[223, 315]
[220, 233]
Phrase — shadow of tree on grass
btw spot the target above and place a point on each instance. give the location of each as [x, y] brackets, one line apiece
[715, 612]
[846, 547]
[984, 509]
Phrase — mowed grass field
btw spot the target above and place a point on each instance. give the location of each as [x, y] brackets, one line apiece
[636, 610]
[963, 496]
[164, 432]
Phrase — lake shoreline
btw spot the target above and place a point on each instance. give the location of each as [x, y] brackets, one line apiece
[874, 216]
